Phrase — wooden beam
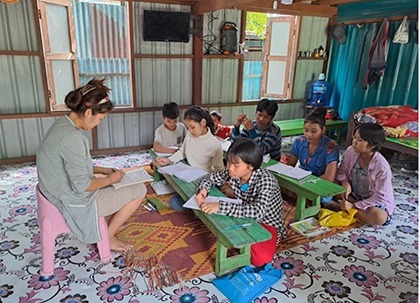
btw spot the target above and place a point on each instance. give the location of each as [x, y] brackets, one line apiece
[205, 6]
[335, 2]
[298, 9]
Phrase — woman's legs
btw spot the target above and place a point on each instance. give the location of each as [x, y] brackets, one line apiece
[116, 220]
[263, 252]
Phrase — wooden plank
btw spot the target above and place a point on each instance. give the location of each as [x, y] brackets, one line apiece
[312, 188]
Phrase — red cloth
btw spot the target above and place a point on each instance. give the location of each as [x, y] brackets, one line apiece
[263, 252]
[223, 131]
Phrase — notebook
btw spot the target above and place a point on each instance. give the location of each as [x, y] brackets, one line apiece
[192, 202]
[290, 171]
[134, 176]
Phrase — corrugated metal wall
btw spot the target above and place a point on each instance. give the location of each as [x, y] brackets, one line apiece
[349, 63]
[21, 84]
[313, 33]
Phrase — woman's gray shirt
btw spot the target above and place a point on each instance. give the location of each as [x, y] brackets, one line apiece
[65, 170]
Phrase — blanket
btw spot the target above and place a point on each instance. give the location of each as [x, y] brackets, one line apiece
[397, 120]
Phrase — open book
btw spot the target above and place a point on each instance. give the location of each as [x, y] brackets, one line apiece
[289, 171]
[134, 176]
[183, 171]
[162, 187]
[309, 227]
[192, 202]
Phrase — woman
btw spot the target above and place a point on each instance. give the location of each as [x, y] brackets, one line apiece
[67, 176]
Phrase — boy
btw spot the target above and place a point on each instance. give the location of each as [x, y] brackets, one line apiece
[221, 131]
[170, 135]
[263, 131]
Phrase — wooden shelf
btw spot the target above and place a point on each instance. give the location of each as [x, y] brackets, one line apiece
[221, 56]
[312, 58]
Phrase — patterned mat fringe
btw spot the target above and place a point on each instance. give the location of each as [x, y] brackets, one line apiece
[158, 275]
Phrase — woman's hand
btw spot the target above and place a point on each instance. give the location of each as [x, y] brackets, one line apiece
[161, 161]
[210, 207]
[347, 186]
[346, 205]
[201, 197]
[116, 176]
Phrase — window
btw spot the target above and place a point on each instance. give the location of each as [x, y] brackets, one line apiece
[269, 58]
[96, 46]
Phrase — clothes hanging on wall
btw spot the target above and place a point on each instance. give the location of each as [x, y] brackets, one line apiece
[377, 55]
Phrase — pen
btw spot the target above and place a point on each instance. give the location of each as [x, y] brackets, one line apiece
[152, 206]
[238, 226]
[146, 207]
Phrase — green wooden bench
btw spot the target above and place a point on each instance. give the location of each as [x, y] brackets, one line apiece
[312, 188]
[240, 238]
[294, 127]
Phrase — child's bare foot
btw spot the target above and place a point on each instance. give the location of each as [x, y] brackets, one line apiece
[119, 245]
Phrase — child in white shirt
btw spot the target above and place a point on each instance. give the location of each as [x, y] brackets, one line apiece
[170, 135]
[200, 148]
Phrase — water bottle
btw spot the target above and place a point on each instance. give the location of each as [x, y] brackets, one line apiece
[320, 92]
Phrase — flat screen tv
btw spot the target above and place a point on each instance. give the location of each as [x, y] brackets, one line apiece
[166, 26]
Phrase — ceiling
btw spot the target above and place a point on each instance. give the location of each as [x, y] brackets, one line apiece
[320, 8]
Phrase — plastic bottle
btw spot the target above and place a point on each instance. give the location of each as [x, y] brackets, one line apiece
[320, 92]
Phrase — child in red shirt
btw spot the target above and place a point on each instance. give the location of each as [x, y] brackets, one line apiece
[221, 131]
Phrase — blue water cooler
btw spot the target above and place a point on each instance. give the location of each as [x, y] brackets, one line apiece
[320, 93]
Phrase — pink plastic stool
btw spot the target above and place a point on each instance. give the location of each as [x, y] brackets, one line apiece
[52, 224]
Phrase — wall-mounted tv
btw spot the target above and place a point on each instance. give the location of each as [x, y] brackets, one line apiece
[166, 26]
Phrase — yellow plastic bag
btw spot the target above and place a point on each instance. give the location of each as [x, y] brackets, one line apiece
[331, 218]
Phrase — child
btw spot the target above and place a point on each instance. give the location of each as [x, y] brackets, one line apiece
[367, 177]
[200, 148]
[170, 135]
[315, 151]
[256, 187]
[221, 131]
[263, 131]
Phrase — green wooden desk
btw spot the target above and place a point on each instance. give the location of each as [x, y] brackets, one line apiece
[312, 188]
[241, 238]
[295, 127]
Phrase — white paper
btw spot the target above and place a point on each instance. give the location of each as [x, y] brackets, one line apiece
[190, 175]
[135, 176]
[162, 187]
[183, 171]
[173, 168]
[266, 158]
[164, 154]
[192, 202]
[226, 144]
[289, 171]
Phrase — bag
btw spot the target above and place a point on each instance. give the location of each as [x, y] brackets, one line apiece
[401, 35]
[331, 218]
[248, 283]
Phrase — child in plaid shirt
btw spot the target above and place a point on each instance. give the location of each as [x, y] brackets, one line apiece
[256, 187]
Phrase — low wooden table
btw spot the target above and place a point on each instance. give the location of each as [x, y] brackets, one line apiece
[312, 188]
[294, 127]
[220, 225]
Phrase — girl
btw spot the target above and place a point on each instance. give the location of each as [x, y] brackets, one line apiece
[367, 177]
[200, 148]
[315, 151]
[256, 187]
[66, 174]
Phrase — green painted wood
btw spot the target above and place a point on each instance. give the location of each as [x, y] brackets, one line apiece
[294, 127]
[311, 188]
[241, 238]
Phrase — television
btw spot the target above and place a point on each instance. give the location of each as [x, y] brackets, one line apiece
[166, 26]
